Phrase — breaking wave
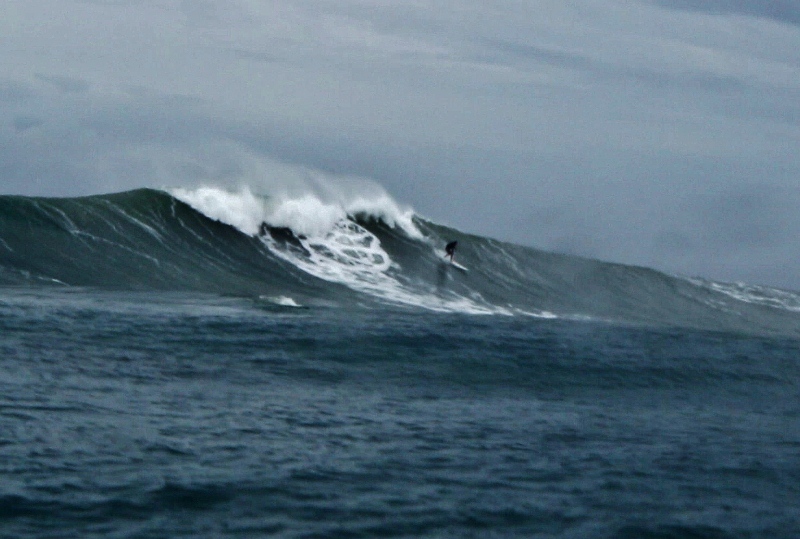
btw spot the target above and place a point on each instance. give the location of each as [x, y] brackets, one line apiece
[343, 249]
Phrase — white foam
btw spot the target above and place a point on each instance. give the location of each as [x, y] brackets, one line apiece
[241, 209]
[306, 215]
[334, 247]
[387, 210]
[754, 294]
[349, 254]
[311, 213]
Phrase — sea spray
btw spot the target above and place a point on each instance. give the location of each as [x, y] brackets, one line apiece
[241, 209]
[309, 213]
[321, 236]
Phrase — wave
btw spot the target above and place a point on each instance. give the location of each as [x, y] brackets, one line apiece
[344, 249]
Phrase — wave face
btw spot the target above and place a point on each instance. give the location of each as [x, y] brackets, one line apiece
[310, 251]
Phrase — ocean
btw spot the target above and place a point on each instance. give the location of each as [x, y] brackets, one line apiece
[209, 363]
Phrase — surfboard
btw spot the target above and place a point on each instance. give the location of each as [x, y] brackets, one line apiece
[455, 264]
[458, 266]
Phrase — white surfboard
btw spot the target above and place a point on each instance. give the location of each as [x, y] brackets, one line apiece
[458, 266]
[455, 264]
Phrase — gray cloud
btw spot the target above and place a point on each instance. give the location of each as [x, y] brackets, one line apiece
[638, 134]
[12, 91]
[599, 69]
[787, 11]
[23, 123]
[66, 85]
[743, 220]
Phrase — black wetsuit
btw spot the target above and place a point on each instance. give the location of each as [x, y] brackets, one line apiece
[450, 249]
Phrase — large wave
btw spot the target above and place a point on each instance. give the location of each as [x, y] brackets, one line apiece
[329, 238]
[347, 248]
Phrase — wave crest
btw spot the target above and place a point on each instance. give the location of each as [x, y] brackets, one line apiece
[310, 214]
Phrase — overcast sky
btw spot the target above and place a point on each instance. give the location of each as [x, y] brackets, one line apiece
[661, 133]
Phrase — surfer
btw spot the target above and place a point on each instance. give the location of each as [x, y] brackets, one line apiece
[450, 250]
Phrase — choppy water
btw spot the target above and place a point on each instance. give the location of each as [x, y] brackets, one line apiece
[181, 415]
[241, 367]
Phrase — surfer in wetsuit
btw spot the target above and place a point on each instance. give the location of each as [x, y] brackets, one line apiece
[450, 250]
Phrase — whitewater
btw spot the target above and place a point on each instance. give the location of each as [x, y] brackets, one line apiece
[209, 362]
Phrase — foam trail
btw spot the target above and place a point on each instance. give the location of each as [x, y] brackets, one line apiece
[332, 247]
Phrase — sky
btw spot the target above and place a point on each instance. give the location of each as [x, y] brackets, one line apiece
[661, 133]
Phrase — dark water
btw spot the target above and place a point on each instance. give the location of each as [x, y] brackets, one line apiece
[143, 414]
[150, 240]
[222, 370]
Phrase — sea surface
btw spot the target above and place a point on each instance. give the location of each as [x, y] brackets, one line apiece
[218, 364]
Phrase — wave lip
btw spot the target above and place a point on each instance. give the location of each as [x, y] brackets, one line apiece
[307, 214]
